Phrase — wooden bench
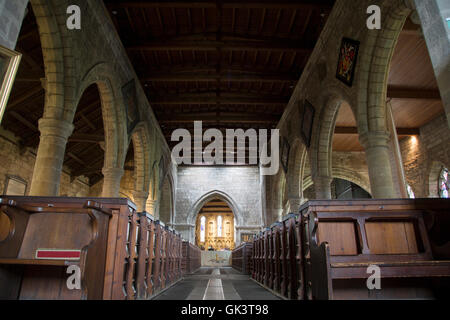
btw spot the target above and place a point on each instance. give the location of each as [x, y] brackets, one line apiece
[138, 258]
[191, 258]
[341, 239]
[40, 242]
[277, 258]
[241, 258]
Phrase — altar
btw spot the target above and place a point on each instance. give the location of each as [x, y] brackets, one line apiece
[216, 258]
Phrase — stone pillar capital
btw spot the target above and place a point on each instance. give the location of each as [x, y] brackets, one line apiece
[294, 204]
[140, 194]
[113, 172]
[140, 199]
[150, 206]
[50, 156]
[55, 127]
[111, 182]
[375, 139]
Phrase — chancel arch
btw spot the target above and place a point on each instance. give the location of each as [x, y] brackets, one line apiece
[214, 195]
[215, 226]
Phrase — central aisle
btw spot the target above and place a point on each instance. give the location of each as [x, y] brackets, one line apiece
[216, 284]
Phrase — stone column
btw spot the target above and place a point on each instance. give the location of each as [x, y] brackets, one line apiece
[111, 182]
[376, 145]
[50, 156]
[322, 186]
[294, 204]
[150, 206]
[436, 30]
[140, 199]
[274, 215]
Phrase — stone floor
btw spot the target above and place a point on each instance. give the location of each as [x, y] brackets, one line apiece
[216, 284]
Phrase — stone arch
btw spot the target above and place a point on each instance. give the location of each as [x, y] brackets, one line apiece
[54, 59]
[215, 194]
[277, 196]
[166, 202]
[352, 176]
[322, 140]
[296, 169]
[114, 119]
[141, 144]
[153, 190]
[376, 53]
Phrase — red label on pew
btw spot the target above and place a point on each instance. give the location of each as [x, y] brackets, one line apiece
[58, 254]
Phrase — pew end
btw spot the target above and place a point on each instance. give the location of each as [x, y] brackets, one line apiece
[39, 244]
[343, 239]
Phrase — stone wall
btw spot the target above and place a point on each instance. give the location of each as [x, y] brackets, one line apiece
[239, 186]
[421, 153]
[19, 162]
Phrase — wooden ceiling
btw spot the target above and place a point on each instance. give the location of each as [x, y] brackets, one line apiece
[412, 91]
[230, 64]
[216, 206]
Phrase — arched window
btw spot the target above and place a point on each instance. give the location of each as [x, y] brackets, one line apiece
[202, 229]
[444, 183]
[219, 226]
[411, 194]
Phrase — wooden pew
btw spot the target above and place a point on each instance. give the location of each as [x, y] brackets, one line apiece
[341, 239]
[40, 243]
[276, 256]
[146, 256]
[241, 258]
[123, 254]
[257, 257]
[117, 257]
[191, 258]
[291, 266]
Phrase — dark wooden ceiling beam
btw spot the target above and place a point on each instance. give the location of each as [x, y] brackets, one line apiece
[24, 121]
[213, 117]
[230, 100]
[400, 131]
[413, 93]
[224, 76]
[190, 68]
[15, 101]
[86, 138]
[292, 4]
[211, 45]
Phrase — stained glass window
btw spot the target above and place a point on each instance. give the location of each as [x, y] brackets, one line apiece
[410, 192]
[202, 229]
[444, 183]
[219, 226]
